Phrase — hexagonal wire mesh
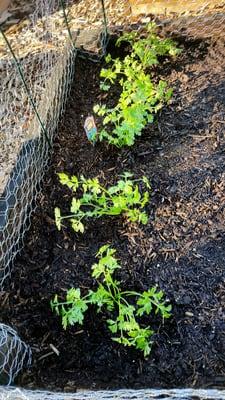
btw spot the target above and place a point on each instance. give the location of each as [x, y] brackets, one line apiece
[14, 354]
[47, 58]
[123, 394]
[193, 19]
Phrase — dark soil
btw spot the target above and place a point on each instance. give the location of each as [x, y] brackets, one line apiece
[182, 249]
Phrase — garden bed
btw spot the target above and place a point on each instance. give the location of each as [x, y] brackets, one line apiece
[182, 248]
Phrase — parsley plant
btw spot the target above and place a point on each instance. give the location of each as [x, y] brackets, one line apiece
[124, 307]
[140, 97]
[96, 200]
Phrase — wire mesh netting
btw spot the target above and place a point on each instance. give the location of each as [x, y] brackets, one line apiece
[46, 57]
[46, 60]
[29, 113]
[179, 394]
[14, 354]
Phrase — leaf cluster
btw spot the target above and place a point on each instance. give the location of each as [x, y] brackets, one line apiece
[95, 201]
[124, 307]
[140, 97]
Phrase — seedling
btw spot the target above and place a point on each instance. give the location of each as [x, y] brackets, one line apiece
[124, 307]
[96, 201]
[140, 97]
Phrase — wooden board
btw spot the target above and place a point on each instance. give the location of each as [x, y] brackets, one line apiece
[172, 6]
[4, 5]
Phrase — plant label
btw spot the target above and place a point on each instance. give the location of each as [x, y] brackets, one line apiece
[90, 129]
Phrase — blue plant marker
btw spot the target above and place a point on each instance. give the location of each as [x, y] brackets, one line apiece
[91, 129]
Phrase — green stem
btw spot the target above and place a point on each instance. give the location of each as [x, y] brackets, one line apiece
[127, 293]
[67, 303]
[78, 216]
[114, 286]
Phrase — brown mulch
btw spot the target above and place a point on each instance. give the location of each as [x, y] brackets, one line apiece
[182, 248]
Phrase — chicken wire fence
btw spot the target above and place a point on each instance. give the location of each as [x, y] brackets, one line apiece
[46, 62]
[37, 58]
[182, 394]
[14, 354]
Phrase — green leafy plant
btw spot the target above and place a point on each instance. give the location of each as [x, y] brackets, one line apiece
[96, 201]
[140, 97]
[148, 48]
[125, 308]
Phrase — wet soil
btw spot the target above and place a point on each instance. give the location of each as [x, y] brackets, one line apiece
[182, 248]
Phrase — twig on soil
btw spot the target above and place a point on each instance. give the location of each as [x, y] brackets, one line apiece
[56, 351]
[46, 355]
